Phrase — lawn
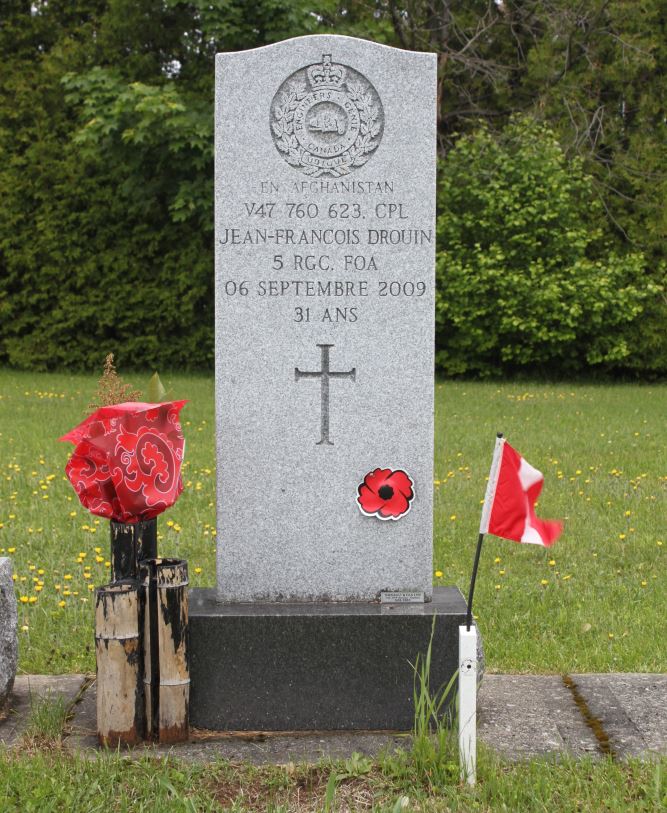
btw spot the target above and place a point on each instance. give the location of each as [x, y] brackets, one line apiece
[49, 780]
[591, 603]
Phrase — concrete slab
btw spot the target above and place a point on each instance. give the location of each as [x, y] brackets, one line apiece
[523, 716]
[520, 716]
[26, 689]
[258, 747]
[632, 709]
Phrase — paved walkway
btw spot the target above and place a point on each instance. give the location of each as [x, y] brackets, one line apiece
[519, 715]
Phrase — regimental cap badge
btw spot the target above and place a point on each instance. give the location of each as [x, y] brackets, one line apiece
[326, 75]
[327, 119]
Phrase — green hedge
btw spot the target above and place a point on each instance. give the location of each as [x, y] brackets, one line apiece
[106, 240]
[527, 278]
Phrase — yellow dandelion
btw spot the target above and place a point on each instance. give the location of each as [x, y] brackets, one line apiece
[62, 603]
[544, 582]
[197, 570]
[438, 574]
[24, 599]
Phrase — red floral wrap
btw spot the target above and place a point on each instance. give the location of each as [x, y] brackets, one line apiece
[127, 462]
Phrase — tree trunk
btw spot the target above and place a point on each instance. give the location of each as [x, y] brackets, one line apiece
[118, 652]
[130, 544]
[166, 667]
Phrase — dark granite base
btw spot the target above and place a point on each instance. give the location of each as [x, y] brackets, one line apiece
[300, 667]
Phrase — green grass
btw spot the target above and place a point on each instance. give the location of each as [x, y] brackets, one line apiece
[602, 449]
[53, 781]
[48, 716]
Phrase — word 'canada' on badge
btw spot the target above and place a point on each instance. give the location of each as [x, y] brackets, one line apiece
[385, 494]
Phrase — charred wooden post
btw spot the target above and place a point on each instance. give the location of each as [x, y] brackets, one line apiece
[166, 667]
[131, 542]
[120, 708]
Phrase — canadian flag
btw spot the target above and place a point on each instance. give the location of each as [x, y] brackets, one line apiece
[509, 506]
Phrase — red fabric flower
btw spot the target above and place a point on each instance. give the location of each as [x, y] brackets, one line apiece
[385, 494]
[127, 462]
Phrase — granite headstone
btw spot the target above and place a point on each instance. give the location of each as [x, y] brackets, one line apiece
[325, 209]
[324, 234]
[8, 630]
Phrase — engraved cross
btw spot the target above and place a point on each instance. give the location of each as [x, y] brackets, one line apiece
[324, 375]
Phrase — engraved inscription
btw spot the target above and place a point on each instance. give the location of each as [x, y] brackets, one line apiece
[324, 375]
[326, 119]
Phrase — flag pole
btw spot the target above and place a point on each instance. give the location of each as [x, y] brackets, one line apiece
[473, 579]
[468, 644]
[480, 539]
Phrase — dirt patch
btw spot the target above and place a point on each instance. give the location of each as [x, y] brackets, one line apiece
[296, 789]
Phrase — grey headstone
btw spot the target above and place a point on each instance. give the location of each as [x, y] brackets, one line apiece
[325, 240]
[8, 630]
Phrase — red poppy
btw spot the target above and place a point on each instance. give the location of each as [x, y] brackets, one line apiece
[127, 462]
[385, 494]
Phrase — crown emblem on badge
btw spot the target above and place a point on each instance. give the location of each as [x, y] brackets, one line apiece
[326, 75]
[326, 119]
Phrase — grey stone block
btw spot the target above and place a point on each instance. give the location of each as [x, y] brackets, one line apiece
[320, 666]
[8, 630]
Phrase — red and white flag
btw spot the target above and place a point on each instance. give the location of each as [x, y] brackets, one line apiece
[509, 506]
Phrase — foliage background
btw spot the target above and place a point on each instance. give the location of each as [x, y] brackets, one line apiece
[551, 128]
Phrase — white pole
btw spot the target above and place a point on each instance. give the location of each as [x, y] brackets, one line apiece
[468, 704]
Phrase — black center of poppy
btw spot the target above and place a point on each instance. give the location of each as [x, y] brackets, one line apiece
[385, 492]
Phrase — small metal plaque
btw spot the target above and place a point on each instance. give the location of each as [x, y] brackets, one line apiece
[402, 597]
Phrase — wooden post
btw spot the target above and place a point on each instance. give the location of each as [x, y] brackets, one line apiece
[131, 542]
[118, 651]
[166, 667]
